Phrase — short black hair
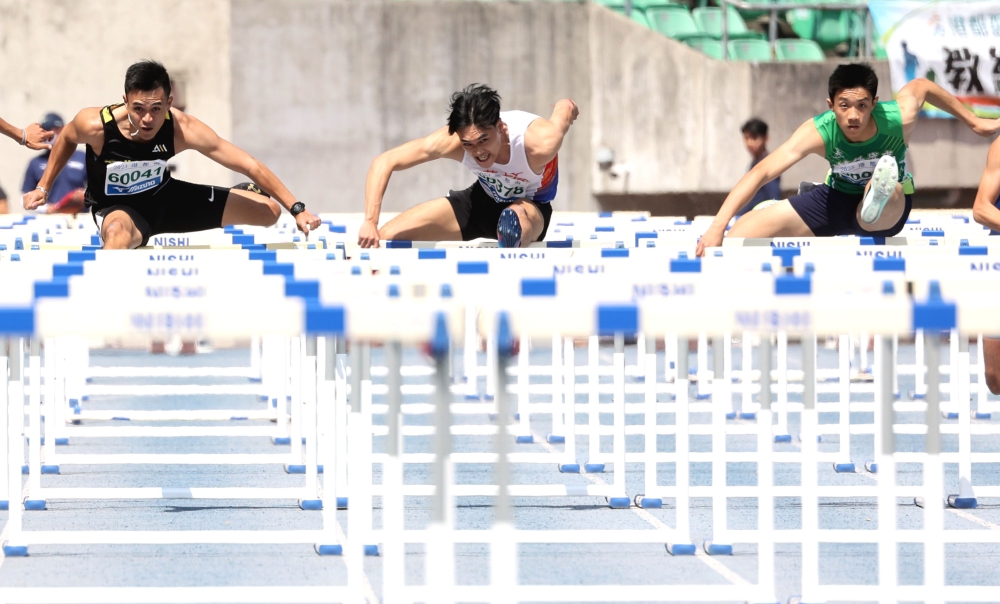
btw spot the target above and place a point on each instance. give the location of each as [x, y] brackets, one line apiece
[755, 127]
[147, 76]
[853, 75]
[476, 104]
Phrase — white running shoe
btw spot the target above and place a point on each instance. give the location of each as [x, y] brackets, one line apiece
[884, 180]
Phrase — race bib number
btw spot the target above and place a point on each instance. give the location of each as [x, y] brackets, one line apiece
[503, 187]
[858, 172]
[129, 178]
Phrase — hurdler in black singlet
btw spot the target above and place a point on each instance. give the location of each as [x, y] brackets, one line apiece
[133, 176]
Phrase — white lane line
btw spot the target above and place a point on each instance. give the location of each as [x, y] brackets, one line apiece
[700, 554]
[370, 596]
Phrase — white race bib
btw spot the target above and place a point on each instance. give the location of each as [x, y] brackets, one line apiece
[131, 177]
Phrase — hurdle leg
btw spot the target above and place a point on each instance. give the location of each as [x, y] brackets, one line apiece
[983, 407]
[326, 451]
[844, 463]
[503, 548]
[966, 497]
[470, 368]
[620, 498]
[649, 499]
[354, 554]
[702, 392]
[717, 546]
[365, 446]
[295, 427]
[310, 424]
[255, 360]
[393, 547]
[15, 546]
[280, 363]
[933, 529]
[920, 371]
[491, 361]
[951, 410]
[727, 372]
[746, 377]
[50, 403]
[670, 358]
[781, 434]
[593, 406]
[765, 482]
[888, 576]
[558, 433]
[340, 413]
[569, 463]
[34, 428]
[683, 545]
[523, 397]
[5, 497]
[810, 479]
[895, 365]
[441, 549]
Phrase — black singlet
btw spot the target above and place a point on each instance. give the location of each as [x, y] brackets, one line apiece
[128, 171]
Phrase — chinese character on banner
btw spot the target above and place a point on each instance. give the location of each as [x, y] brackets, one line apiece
[996, 68]
[995, 24]
[962, 70]
[977, 23]
[958, 24]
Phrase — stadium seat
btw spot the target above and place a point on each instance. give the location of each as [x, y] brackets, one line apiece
[709, 22]
[708, 46]
[750, 50]
[797, 50]
[828, 28]
[674, 22]
[637, 15]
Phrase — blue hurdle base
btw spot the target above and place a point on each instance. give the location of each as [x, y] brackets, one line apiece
[717, 549]
[527, 439]
[24, 470]
[62, 442]
[871, 466]
[256, 380]
[748, 416]
[493, 417]
[487, 397]
[648, 503]
[284, 440]
[34, 505]
[569, 468]
[311, 504]
[702, 397]
[4, 505]
[619, 503]
[593, 468]
[329, 550]
[844, 468]
[782, 438]
[962, 503]
[681, 549]
[949, 415]
[14, 551]
[371, 550]
[731, 415]
[977, 416]
[341, 503]
[50, 469]
[917, 396]
[555, 439]
[472, 397]
[300, 469]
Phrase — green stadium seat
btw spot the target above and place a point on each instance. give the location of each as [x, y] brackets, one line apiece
[709, 22]
[750, 50]
[797, 50]
[637, 15]
[828, 28]
[708, 46]
[674, 22]
[648, 4]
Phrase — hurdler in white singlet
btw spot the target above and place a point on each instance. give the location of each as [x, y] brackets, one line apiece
[515, 180]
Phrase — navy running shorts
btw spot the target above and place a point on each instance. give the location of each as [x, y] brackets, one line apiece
[829, 212]
[477, 212]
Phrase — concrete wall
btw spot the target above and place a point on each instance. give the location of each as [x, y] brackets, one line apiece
[63, 55]
[320, 88]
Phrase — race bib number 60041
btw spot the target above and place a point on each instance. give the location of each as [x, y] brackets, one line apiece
[129, 178]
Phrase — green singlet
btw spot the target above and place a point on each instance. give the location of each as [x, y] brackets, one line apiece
[852, 164]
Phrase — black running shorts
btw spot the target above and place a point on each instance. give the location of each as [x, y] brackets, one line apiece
[477, 212]
[176, 207]
[828, 212]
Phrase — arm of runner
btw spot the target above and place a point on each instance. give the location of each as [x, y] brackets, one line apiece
[983, 210]
[33, 135]
[85, 128]
[804, 141]
[438, 145]
[194, 134]
[544, 137]
[911, 99]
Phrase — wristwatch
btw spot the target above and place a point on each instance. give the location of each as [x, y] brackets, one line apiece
[297, 208]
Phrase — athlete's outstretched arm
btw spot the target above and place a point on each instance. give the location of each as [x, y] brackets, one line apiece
[33, 135]
[983, 210]
[192, 133]
[544, 138]
[803, 141]
[85, 128]
[438, 145]
[911, 99]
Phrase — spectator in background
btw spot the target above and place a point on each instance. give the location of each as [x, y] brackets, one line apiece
[755, 140]
[66, 196]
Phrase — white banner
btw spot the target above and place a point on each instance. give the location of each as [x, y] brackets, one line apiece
[955, 44]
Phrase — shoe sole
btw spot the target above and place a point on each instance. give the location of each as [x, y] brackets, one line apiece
[508, 229]
[884, 180]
